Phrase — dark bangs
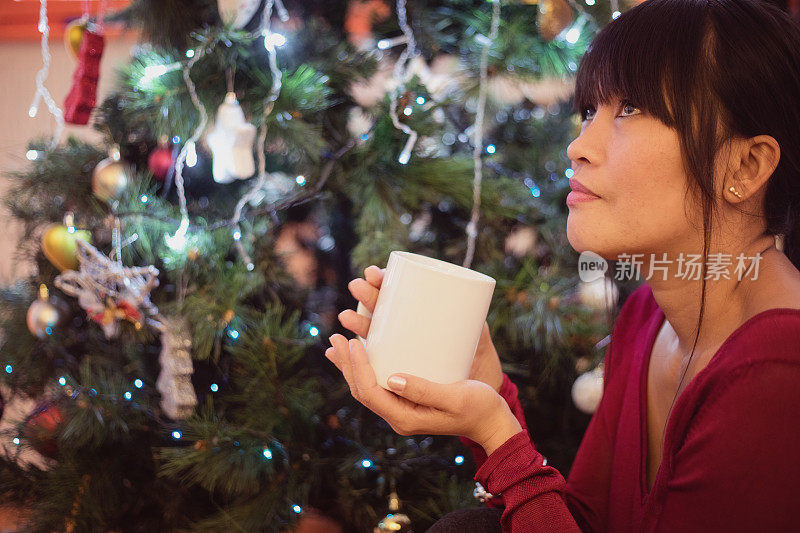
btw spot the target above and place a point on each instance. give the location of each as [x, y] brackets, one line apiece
[653, 56]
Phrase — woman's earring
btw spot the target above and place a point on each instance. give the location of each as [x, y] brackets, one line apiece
[734, 192]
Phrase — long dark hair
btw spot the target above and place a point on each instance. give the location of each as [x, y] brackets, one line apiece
[712, 70]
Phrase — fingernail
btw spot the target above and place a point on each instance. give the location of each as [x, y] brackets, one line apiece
[397, 383]
[331, 339]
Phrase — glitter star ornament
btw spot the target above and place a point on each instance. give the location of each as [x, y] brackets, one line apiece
[231, 143]
[109, 291]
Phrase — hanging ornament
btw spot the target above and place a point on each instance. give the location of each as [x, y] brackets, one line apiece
[42, 315]
[111, 176]
[40, 428]
[108, 291]
[587, 390]
[360, 17]
[73, 35]
[160, 162]
[59, 244]
[547, 91]
[521, 241]
[554, 16]
[231, 143]
[394, 521]
[178, 398]
[359, 123]
[600, 294]
[505, 90]
[82, 95]
[237, 13]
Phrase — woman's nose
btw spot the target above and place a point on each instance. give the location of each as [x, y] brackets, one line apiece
[588, 147]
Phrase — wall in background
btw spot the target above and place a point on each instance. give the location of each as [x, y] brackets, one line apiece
[19, 62]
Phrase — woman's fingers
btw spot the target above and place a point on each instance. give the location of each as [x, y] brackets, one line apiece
[358, 324]
[342, 349]
[330, 353]
[374, 275]
[376, 398]
[364, 292]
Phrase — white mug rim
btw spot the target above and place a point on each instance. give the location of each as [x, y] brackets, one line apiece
[440, 266]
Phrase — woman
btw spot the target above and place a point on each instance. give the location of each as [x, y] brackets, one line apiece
[690, 144]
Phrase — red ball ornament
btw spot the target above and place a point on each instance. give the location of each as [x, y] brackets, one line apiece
[40, 429]
[160, 162]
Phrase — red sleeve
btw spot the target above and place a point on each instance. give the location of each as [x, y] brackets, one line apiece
[509, 392]
[738, 467]
[535, 494]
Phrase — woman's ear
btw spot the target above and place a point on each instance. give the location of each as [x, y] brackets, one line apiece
[757, 160]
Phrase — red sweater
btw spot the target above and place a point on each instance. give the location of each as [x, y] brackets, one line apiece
[731, 455]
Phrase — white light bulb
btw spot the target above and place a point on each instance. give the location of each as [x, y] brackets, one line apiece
[177, 242]
[191, 154]
[273, 39]
[573, 35]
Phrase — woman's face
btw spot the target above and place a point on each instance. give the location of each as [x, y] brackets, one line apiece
[632, 161]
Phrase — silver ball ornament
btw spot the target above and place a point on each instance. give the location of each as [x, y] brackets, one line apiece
[588, 390]
[42, 316]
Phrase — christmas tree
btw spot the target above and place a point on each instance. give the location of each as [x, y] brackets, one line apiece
[258, 157]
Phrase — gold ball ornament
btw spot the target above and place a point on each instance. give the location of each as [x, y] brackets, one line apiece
[42, 315]
[110, 177]
[394, 523]
[59, 244]
[554, 16]
[73, 36]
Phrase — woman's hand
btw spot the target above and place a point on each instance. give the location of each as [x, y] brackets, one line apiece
[467, 408]
[486, 364]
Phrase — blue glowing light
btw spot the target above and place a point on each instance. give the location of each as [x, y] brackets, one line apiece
[420, 100]
[9, 369]
[535, 192]
[128, 395]
[296, 508]
[15, 440]
[569, 172]
[459, 459]
[214, 387]
[233, 334]
[144, 198]
[62, 381]
[490, 149]
[366, 463]
[176, 435]
[267, 453]
[313, 331]
[138, 384]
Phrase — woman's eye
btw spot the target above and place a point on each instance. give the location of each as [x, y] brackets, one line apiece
[586, 112]
[628, 105]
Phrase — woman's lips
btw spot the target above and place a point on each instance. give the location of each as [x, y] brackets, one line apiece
[576, 197]
[580, 193]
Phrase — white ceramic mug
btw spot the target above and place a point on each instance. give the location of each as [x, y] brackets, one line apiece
[428, 319]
